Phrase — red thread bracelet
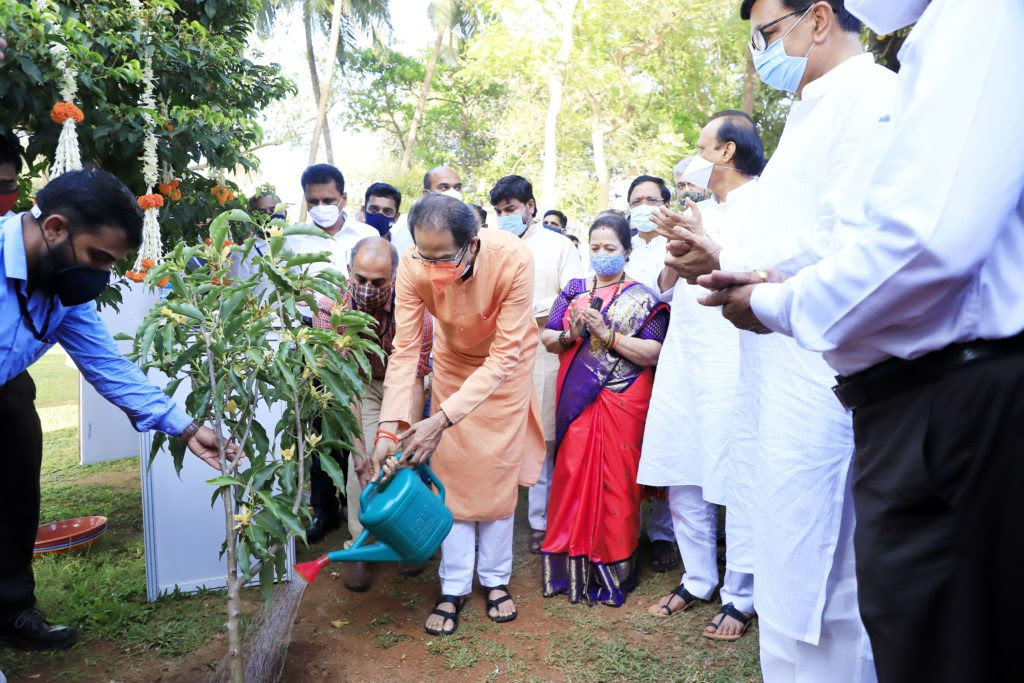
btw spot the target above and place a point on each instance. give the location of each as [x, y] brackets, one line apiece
[383, 433]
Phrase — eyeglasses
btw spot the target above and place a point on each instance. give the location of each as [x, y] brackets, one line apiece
[449, 259]
[759, 41]
[386, 211]
[646, 201]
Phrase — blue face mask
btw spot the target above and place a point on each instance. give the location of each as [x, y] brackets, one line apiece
[380, 222]
[513, 224]
[779, 69]
[607, 265]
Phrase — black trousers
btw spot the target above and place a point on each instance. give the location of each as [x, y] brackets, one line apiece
[19, 494]
[940, 525]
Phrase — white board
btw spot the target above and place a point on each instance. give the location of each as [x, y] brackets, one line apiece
[105, 432]
[183, 533]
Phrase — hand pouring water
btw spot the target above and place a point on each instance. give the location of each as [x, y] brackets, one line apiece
[407, 520]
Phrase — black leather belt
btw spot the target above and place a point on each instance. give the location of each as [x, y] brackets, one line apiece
[896, 376]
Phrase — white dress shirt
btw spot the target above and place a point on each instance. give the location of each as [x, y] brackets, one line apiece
[647, 261]
[941, 258]
[556, 262]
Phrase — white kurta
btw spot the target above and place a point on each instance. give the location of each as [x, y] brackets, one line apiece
[786, 415]
[646, 262]
[689, 424]
[556, 262]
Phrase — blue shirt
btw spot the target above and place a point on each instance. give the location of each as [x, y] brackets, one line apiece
[82, 334]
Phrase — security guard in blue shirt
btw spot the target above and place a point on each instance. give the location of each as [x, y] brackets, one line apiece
[54, 261]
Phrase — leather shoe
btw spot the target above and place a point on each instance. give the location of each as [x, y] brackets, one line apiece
[321, 525]
[30, 631]
[356, 576]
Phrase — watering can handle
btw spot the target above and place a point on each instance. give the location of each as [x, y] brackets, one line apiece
[398, 456]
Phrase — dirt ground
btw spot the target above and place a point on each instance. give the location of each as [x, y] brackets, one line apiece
[378, 635]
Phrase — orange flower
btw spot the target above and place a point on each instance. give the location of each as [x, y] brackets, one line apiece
[164, 188]
[207, 241]
[222, 194]
[169, 126]
[175, 195]
[175, 183]
[151, 201]
[62, 111]
[135, 276]
[163, 283]
[147, 263]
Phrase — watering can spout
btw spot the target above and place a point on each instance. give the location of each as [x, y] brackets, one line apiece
[377, 552]
[309, 570]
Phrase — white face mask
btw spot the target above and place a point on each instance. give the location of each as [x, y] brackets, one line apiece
[452, 192]
[699, 172]
[886, 16]
[325, 215]
[640, 218]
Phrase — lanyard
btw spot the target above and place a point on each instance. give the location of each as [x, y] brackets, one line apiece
[23, 304]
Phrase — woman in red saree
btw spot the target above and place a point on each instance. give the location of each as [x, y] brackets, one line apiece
[608, 331]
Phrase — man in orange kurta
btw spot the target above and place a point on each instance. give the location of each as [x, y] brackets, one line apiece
[484, 437]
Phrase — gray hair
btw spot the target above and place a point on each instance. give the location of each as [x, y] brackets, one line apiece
[681, 166]
[440, 212]
[376, 244]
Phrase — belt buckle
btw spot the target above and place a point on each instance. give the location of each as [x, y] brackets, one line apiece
[839, 397]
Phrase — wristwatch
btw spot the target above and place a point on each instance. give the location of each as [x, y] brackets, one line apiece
[188, 433]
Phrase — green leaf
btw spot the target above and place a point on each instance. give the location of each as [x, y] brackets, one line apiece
[224, 480]
[309, 257]
[304, 229]
[333, 470]
[186, 310]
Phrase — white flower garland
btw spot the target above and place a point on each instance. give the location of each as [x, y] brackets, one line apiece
[151, 249]
[68, 156]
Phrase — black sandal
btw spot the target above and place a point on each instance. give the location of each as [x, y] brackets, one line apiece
[728, 611]
[500, 619]
[456, 600]
[536, 540]
[688, 598]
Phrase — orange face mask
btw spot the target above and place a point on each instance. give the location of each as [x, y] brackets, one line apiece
[441, 274]
[444, 273]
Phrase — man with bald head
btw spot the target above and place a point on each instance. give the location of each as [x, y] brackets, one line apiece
[371, 289]
[440, 180]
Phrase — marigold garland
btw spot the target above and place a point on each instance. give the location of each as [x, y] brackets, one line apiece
[151, 201]
[135, 276]
[62, 111]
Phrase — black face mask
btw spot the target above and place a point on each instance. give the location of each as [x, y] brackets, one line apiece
[73, 283]
[695, 197]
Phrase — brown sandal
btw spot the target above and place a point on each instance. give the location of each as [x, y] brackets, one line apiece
[536, 540]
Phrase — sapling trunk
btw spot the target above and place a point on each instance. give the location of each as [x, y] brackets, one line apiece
[236, 658]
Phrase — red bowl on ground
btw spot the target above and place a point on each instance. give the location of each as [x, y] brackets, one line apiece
[59, 537]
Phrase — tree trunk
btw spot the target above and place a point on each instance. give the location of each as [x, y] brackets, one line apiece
[236, 660]
[421, 105]
[600, 163]
[556, 86]
[750, 79]
[314, 78]
[325, 91]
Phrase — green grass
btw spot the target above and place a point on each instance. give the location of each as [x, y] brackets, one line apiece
[56, 384]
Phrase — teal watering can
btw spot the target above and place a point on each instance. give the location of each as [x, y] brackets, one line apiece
[407, 520]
